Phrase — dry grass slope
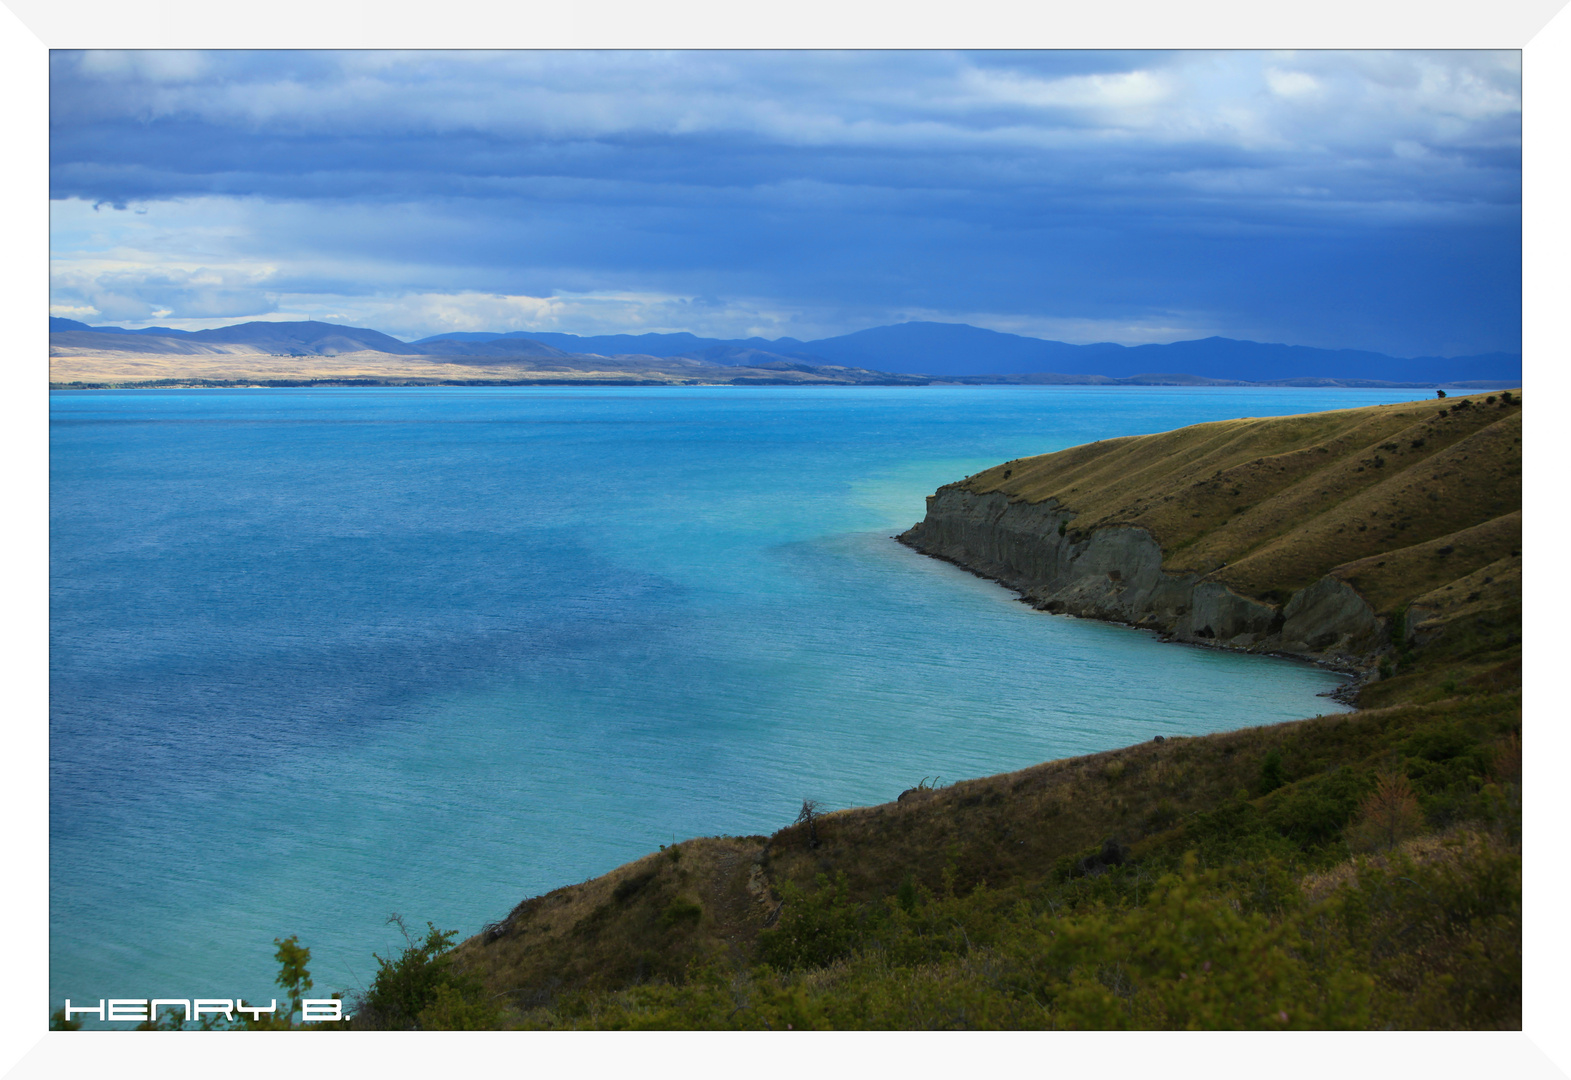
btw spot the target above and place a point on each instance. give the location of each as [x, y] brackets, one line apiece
[1268, 506]
[650, 919]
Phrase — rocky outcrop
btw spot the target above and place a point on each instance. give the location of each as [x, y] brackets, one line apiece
[1329, 616]
[1115, 573]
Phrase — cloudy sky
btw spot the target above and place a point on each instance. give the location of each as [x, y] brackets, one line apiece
[1367, 199]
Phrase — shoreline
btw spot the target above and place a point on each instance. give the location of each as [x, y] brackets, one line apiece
[914, 381]
[1345, 694]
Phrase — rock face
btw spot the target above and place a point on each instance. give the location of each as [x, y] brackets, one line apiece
[1329, 616]
[1115, 573]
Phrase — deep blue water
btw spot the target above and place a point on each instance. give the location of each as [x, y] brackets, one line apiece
[322, 655]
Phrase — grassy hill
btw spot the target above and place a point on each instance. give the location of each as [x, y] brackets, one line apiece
[1327, 536]
[1268, 506]
[1356, 870]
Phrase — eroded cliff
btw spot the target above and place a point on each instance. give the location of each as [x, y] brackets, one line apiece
[1316, 535]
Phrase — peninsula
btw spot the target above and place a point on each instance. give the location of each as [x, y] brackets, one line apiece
[1331, 536]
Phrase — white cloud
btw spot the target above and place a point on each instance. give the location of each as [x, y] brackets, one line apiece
[422, 314]
[1291, 83]
[179, 256]
[148, 65]
[1101, 92]
[80, 312]
[811, 98]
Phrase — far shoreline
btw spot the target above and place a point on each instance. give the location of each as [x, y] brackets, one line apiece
[1149, 382]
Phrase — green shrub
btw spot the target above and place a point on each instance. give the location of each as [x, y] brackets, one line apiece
[681, 912]
[422, 988]
[1189, 958]
[1271, 772]
[815, 928]
[1313, 812]
[1443, 937]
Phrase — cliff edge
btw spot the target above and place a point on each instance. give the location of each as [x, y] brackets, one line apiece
[1335, 536]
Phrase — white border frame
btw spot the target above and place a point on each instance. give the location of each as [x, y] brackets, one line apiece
[29, 27]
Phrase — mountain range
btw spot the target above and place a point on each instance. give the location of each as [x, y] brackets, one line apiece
[952, 351]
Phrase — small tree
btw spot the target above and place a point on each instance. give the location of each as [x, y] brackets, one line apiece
[1388, 816]
[809, 817]
[293, 975]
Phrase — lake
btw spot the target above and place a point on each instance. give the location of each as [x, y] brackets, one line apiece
[322, 655]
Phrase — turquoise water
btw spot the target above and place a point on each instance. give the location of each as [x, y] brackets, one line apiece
[322, 655]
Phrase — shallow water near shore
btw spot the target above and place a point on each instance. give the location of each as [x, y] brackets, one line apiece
[322, 655]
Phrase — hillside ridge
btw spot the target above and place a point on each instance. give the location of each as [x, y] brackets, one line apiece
[1307, 535]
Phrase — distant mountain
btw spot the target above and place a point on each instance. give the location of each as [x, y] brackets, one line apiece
[303, 338]
[73, 342]
[493, 348]
[315, 338]
[957, 349]
[1224, 358]
[59, 325]
[475, 336]
[678, 344]
[952, 350]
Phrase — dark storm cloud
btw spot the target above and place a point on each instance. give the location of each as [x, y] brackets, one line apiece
[1345, 199]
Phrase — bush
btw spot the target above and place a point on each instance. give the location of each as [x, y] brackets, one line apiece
[1443, 937]
[1189, 959]
[423, 989]
[815, 928]
[1313, 812]
[1271, 772]
[1388, 816]
[681, 912]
